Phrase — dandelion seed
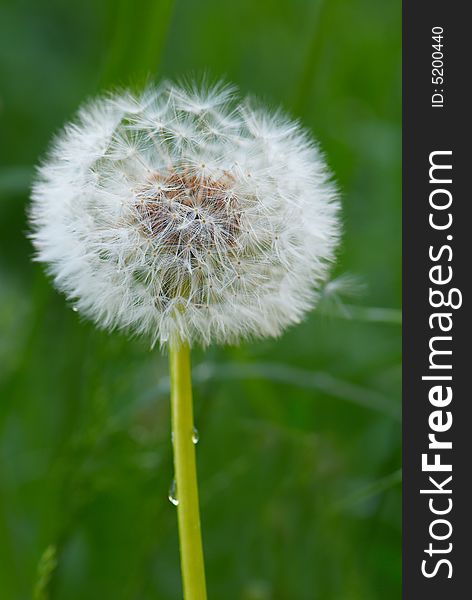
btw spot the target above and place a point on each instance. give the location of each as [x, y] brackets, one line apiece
[186, 215]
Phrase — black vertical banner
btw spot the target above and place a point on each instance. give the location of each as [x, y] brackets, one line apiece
[437, 354]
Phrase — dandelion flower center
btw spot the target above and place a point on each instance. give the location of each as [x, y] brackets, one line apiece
[188, 213]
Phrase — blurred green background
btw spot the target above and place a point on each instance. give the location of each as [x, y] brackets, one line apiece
[299, 450]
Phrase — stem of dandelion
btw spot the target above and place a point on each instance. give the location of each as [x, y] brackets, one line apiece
[185, 468]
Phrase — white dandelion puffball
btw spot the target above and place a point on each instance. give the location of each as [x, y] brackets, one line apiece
[186, 215]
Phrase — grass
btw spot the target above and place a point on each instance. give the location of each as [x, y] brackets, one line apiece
[299, 448]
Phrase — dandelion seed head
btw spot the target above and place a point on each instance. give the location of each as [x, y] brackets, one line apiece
[186, 215]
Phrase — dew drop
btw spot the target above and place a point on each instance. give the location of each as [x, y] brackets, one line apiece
[75, 309]
[173, 493]
[195, 436]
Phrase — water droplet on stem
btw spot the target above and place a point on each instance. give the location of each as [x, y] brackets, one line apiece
[173, 493]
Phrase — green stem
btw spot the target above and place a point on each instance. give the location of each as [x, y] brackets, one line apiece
[190, 537]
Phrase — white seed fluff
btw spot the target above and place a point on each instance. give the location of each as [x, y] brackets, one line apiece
[186, 215]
